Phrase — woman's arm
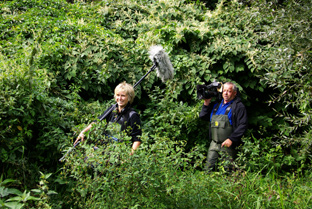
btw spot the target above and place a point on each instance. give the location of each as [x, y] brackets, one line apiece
[81, 135]
[135, 145]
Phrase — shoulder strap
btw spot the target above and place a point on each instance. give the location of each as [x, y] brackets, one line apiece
[226, 111]
[216, 108]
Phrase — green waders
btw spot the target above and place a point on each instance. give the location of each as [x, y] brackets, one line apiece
[221, 129]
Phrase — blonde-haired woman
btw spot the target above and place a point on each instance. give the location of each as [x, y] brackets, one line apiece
[124, 116]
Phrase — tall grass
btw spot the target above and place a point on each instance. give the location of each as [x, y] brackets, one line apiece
[162, 175]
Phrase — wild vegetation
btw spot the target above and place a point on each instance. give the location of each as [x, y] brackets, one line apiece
[60, 61]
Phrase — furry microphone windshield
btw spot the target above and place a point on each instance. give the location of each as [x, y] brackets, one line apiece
[161, 60]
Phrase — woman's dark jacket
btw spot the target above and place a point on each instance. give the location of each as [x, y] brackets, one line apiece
[129, 120]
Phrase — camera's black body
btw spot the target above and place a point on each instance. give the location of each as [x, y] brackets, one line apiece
[208, 91]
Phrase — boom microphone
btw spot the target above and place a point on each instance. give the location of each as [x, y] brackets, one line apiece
[161, 62]
[161, 59]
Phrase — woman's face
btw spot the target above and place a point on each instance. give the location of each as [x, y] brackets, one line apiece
[121, 99]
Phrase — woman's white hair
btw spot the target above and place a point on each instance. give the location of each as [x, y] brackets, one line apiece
[127, 88]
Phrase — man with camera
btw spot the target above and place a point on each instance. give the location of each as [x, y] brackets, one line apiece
[228, 122]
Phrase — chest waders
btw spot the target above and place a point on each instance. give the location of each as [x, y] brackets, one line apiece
[113, 132]
[116, 129]
[114, 135]
[221, 129]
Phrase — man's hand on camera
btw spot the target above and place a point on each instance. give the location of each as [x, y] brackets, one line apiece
[207, 102]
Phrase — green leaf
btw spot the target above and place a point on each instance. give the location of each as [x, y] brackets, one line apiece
[6, 181]
[51, 192]
[14, 205]
[37, 190]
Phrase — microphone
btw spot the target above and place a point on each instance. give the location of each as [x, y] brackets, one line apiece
[164, 70]
[162, 61]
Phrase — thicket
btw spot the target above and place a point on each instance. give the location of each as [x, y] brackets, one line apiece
[59, 64]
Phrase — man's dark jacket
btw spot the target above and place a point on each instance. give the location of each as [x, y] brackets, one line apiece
[239, 120]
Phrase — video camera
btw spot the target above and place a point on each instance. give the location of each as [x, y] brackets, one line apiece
[208, 91]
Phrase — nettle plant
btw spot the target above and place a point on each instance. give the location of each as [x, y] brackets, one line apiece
[147, 178]
[10, 197]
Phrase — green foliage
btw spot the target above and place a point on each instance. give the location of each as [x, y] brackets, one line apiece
[59, 64]
[149, 178]
[288, 60]
[265, 154]
[5, 192]
[29, 114]
[92, 49]
[14, 198]
[267, 191]
[161, 175]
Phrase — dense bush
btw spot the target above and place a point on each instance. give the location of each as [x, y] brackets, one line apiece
[113, 178]
[161, 175]
[59, 63]
[288, 71]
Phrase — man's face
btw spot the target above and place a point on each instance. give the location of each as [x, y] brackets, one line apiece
[121, 99]
[228, 93]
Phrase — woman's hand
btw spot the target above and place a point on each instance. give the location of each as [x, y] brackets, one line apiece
[80, 137]
[135, 145]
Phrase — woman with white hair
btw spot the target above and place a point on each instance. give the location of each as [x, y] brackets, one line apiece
[123, 119]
